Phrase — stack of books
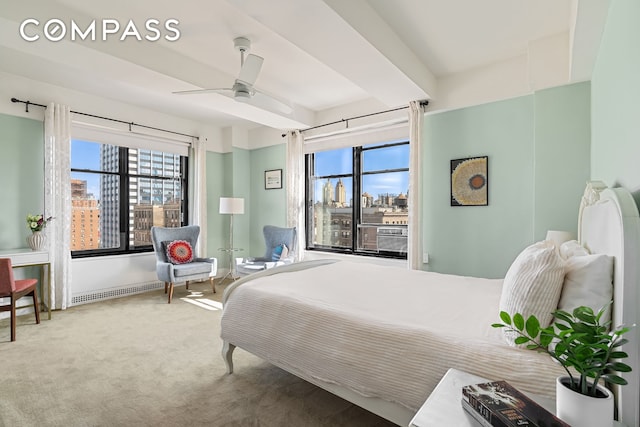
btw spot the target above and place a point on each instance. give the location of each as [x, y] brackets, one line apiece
[499, 404]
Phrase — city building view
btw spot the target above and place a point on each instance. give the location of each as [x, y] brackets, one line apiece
[383, 224]
[85, 217]
[155, 198]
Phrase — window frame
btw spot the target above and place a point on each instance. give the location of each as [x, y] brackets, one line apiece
[124, 200]
[356, 190]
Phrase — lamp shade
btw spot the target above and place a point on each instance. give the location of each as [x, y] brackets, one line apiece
[559, 237]
[231, 205]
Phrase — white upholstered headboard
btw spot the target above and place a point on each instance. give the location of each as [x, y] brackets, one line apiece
[609, 223]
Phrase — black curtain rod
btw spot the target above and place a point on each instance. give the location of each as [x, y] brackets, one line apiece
[423, 103]
[27, 103]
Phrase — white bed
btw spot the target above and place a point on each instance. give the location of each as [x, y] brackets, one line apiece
[337, 324]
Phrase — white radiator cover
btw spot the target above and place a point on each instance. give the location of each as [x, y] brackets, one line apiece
[99, 278]
[103, 294]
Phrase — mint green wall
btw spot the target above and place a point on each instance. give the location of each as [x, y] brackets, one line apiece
[22, 177]
[615, 153]
[538, 165]
[227, 179]
[562, 156]
[479, 240]
[267, 206]
[227, 176]
[242, 174]
[217, 225]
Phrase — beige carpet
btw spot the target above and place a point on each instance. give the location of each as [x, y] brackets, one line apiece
[138, 361]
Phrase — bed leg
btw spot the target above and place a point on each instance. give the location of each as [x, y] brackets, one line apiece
[227, 355]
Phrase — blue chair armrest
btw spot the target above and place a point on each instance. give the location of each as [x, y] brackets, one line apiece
[165, 271]
[213, 261]
[210, 260]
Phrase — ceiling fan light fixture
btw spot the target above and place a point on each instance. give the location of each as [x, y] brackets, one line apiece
[242, 44]
[242, 96]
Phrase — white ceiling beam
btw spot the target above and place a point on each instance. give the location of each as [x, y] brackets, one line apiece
[316, 28]
[364, 19]
[589, 18]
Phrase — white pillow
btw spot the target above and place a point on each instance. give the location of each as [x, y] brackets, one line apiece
[572, 248]
[533, 284]
[279, 252]
[285, 252]
[588, 281]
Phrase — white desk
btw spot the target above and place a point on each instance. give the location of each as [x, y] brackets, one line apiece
[21, 258]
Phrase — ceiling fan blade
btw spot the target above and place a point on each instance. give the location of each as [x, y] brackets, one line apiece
[250, 69]
[243, 90]
[267, 102]
[199, 91]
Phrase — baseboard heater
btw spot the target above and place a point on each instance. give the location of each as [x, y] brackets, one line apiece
[104, 294]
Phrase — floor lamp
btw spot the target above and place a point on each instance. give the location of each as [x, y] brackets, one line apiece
[231, 206]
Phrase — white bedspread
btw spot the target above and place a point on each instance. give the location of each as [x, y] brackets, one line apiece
[381, 331]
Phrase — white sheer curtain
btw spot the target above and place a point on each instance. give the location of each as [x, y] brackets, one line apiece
[198, 196]
[295, 188]
[414, 251]
[57, 203]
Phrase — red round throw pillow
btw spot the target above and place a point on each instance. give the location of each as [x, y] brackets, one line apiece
[179, 252]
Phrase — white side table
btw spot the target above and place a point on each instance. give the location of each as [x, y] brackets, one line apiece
[245, 266]
[232, 272]
[443, 407]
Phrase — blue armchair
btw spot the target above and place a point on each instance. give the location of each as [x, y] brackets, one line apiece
[276, 236]
[169, 273]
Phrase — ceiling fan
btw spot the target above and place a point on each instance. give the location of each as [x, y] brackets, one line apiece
[242, 89]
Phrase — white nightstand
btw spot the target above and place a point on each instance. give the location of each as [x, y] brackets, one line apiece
[443, 407]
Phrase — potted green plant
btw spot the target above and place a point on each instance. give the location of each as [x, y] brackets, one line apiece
[589, 353]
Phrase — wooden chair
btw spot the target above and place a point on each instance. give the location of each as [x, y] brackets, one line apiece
[14, 290]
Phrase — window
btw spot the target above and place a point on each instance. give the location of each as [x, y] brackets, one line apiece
[357, 199]
[118, 193]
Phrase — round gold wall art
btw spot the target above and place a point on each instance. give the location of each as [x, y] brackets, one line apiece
[469, 182]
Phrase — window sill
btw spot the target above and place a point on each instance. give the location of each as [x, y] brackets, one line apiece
[313, 255]
[103, 255]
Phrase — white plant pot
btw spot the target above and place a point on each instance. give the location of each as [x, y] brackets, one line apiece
[584, 411]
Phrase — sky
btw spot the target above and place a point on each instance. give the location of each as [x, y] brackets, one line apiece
[86, 155]
[337, 162]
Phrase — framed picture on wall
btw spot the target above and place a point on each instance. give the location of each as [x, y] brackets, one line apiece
[272, 179]
[470, 181]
